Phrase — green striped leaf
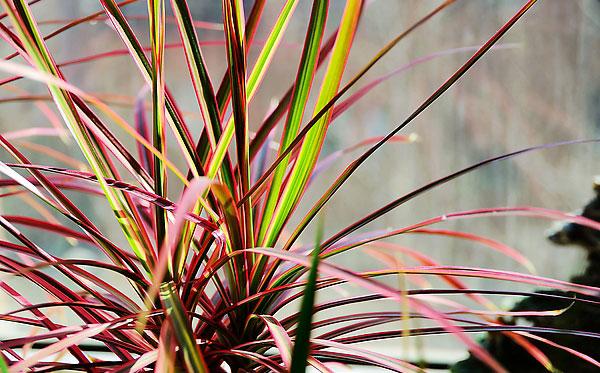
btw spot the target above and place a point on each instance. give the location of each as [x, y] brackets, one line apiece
[136, 51]
[201, 80]
[303, 83]
[156, 11]
[301, 350]
[193, 358]
[256, 76]
[233, 19]
[313, 141]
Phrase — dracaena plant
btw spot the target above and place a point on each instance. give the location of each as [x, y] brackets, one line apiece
[209, 272]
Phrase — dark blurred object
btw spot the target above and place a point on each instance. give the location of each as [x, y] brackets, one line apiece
[580, 316]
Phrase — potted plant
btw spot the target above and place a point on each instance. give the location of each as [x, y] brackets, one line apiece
[210, 257]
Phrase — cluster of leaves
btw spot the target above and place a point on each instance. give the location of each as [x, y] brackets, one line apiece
[210, 273]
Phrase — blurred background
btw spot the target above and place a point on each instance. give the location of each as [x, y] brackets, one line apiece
[540, 85]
